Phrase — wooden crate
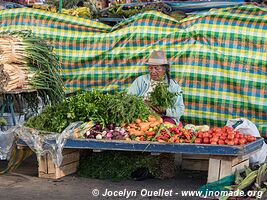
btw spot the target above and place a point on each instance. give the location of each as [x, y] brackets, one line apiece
[220, 167]
[70, 162]
[217, 166]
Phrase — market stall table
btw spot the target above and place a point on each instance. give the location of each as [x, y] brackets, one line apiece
[223, 159]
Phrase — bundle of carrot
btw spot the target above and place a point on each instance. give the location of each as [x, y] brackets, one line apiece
[28, 63]
[147, 128]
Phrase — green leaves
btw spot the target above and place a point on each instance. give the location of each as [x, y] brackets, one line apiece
[91, 106]
[115, 165]
[161, 96]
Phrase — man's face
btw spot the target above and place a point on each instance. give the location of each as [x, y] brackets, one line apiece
[156, 72]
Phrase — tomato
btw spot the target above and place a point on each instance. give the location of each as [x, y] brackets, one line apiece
[213, 143]
[214, 139]
[206, 135]
[231, 142]
[236, 141]
[226, 128]
[223, 134]
[221, 142]
[223, 137]
[251, 138]
[198, 140]
[237, 135]
[206, 140]
[242, 141]
[200, 134]
[231, 136]
[241, 136]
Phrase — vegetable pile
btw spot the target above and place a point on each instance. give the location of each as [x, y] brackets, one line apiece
[28, 63]
[105, 109]
[223, 136]
[153, 129]
[250, 181]
[126, 117]
[118, 10]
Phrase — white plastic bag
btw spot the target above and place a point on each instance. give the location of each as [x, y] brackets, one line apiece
[245, 126]
[6, 143]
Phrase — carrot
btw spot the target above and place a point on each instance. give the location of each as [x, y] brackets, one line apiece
[138, 121]
[139, 133]
[132, 130]
[152, 119]
[153, 124]
[144, 126]
[160, 120]
[133, 125]
[135, 132]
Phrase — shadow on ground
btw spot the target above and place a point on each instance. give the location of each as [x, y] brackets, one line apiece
[24, 184]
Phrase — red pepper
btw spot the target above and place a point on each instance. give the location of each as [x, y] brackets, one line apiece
[151, 133]
[187, 135]
[187, 141]
[177, 130]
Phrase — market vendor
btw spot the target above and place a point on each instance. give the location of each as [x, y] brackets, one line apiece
[159, 69]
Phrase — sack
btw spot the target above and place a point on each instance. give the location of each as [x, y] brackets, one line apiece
[245, 126]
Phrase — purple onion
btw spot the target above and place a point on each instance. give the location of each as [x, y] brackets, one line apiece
[111, 126]
[109, 135]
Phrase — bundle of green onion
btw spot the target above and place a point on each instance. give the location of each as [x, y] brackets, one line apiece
[28, 64]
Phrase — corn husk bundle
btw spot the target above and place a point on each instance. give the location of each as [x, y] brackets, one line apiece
[83, 12]
[28, 64]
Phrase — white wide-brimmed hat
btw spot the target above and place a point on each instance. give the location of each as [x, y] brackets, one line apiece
[157, 57]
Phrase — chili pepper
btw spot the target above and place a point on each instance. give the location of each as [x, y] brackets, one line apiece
[151, 133]
[177, 130]
[193, 139]
[187, 141]
[187, 135]
[174, 138]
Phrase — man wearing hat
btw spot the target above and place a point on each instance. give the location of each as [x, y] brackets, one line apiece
[159, 69]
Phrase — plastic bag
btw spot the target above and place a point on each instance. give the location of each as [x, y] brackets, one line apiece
[245, 126]
[52, 143]
[6, 143]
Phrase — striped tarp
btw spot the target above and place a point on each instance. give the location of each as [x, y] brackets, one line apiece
[218, 58]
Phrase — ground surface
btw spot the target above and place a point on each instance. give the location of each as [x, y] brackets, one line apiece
[23, 184]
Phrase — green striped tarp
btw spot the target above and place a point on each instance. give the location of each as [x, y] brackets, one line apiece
[218, 58]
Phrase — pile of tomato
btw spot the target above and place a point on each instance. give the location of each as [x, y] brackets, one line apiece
[223, 136]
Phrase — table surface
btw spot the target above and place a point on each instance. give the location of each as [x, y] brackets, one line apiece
[156, 147]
